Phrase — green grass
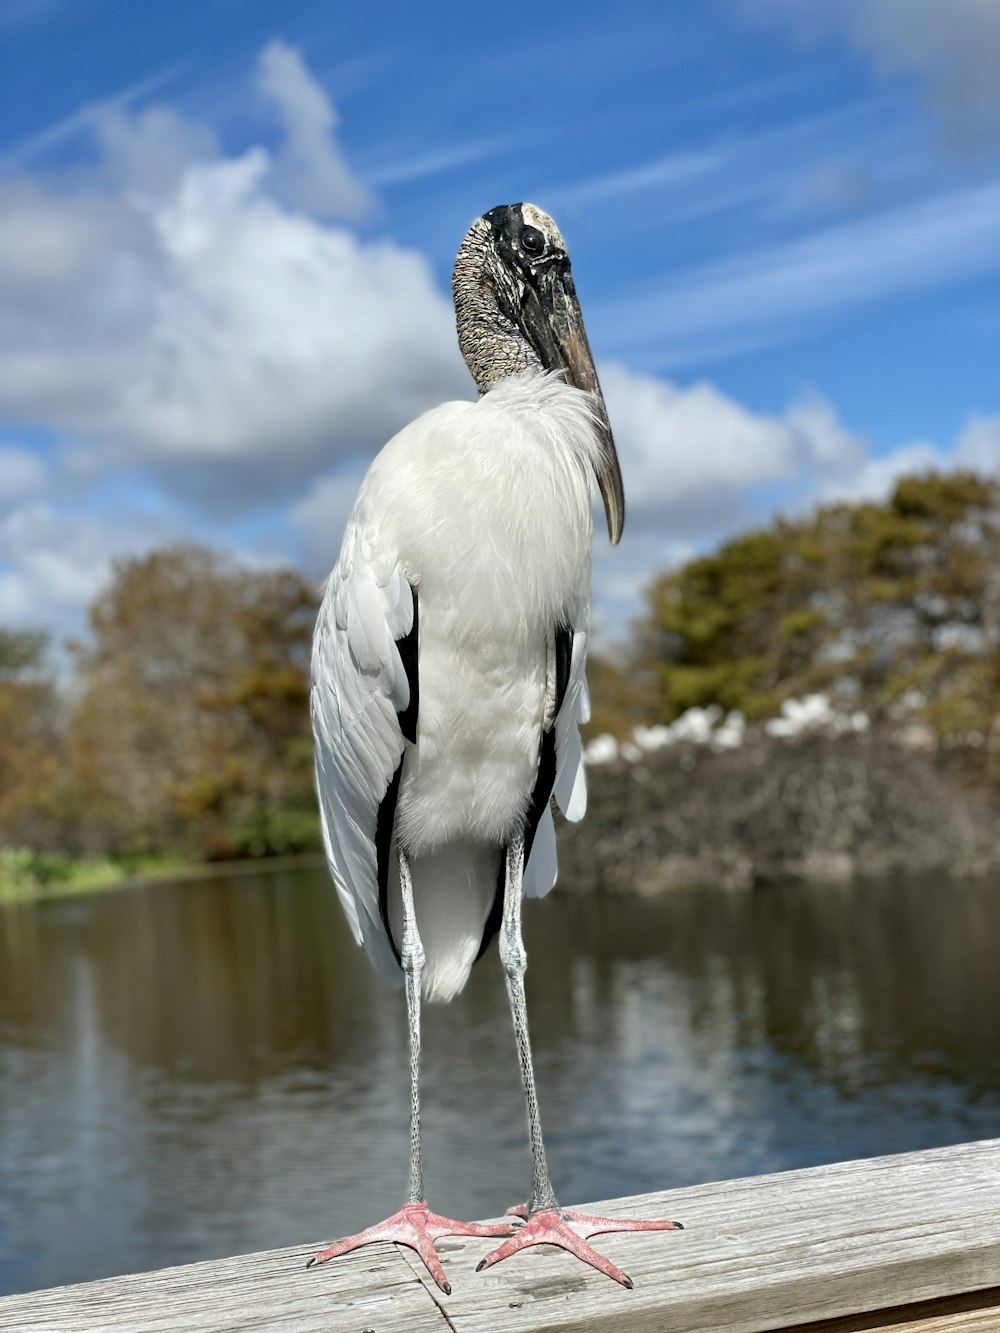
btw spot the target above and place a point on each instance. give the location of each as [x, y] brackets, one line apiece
[26, 875]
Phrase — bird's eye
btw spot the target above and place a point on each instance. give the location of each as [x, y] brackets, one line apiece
[532, 240]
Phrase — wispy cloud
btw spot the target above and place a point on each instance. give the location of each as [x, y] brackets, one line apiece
[673, 169]
[726, 169]
[405, 170]
[744, 94]
[19, 14]
[940, 240]
[84, 120]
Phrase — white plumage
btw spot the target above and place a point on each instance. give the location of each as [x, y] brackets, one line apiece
[484, 509]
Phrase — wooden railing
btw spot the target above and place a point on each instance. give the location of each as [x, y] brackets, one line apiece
[902, 1243]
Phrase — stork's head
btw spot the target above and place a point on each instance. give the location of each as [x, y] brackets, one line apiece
[516, 310]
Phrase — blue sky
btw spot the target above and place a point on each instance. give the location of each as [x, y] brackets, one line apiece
[226, 240]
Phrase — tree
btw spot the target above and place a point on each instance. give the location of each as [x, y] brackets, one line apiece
[30, 759]
[192, 721]
[893, 607]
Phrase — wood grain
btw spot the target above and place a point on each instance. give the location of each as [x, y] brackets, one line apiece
[978, 1312]
[370, 1289]
[770, 1252]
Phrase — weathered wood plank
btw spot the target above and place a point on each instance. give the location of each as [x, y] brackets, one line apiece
[770, 1252]
[975, 1313]
[370, 1289]
[767, 1252]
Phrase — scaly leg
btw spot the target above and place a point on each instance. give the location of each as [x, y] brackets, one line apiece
[413, 969]
[546, 1223]
[414, 1225]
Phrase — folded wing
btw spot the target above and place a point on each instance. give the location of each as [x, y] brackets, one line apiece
[569, 784]
[363, 705]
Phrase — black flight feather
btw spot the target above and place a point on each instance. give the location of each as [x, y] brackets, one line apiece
[407, 646]
[544, 782]
[564, 660]
[383, 846]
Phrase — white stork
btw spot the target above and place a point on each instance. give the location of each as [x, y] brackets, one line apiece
[448, 675]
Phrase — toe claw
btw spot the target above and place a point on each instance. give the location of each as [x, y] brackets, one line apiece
[551, 1226]
[416, 1227]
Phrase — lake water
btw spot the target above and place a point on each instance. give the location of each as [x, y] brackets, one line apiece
[205, 1068]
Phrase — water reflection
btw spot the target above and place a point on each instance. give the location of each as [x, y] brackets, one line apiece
[203, 1068]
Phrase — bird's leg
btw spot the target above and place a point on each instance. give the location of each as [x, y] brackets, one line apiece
[515, 964]
[414, 1225]
[545, 1222]
[412, 957]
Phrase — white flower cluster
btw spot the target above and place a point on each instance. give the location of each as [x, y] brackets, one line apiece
[711, 727]
[814, 713]
[698, 726]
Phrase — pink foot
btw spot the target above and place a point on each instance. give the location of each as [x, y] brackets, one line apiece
[416, 1226]
[550, 1226]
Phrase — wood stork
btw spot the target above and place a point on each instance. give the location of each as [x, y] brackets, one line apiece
[448, 676]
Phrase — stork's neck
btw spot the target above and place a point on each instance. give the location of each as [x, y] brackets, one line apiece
[493, 346]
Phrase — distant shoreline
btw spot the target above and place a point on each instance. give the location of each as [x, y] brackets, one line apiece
[816, 809]
[169, 872]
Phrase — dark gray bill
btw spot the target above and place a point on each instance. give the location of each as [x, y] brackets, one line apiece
[551, 318]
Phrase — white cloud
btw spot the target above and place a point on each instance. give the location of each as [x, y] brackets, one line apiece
[187, 320]
[957, 45]
[953, 44]
[148, 154]
[276, 341]
[695, 459]
[876, 477]
[320, 516]
[310, 172]
[52, 563]
[978, 445]
[698, 464]
[22, 472]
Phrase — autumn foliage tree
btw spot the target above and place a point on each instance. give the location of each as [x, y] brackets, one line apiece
[30, 758]
[191, 726]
